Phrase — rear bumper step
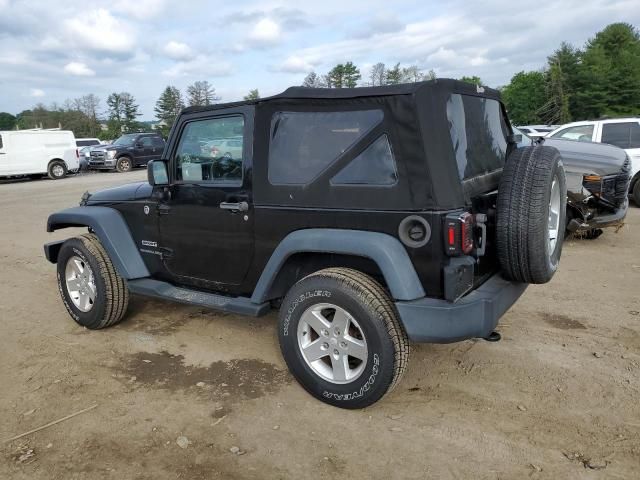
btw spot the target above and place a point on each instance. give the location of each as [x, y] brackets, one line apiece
[164, 290]
[475, 315]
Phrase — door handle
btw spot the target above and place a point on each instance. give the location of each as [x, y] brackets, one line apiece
[235, 207]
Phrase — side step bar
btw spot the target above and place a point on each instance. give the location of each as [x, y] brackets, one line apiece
[166, 291]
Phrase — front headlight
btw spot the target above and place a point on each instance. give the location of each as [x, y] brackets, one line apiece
[111, 154]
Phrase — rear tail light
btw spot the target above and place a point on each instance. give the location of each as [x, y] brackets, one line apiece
[77, 153]
[459, 234]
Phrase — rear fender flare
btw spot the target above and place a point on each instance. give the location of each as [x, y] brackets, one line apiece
[112, 231]
[386, 251]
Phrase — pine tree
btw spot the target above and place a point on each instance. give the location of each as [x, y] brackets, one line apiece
[130, 112]
[201, 93]
[168, 107]
[253, 94]
[393, 75]
[351, 75]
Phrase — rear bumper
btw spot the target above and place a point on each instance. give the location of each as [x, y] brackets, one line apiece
[475, 315]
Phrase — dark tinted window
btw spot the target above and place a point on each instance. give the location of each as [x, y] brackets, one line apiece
[201, 157]
[634, 142]
[0, 141]
[157, 142]
[86, 143]
[145, 141]
[478, 134]
[303, 144]
[620, 134]
[374, 166]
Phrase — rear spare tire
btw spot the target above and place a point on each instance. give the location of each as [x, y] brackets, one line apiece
[531, 214]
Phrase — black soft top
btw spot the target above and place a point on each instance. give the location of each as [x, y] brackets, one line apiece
[304, 93]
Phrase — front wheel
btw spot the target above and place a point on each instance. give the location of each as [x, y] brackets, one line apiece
[341, 338]
[636, 193]
[124, 164]
[92, 291]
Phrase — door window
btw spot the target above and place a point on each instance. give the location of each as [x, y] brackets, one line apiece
[303, 144]
[583, 133]
[146, 142]
[211, 150]
[157, 142]
[621, 134]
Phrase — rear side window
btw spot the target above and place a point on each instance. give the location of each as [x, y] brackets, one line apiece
[621, 135]
[303, 144]
[582, 133]
[374, 166]
[157, 141]
[478, 134]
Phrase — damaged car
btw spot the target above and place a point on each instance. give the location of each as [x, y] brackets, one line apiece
[598, 178]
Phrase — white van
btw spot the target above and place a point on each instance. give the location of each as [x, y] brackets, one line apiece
[36, 152]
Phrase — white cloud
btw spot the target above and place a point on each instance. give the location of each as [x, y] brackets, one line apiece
[265, 32]
[178, 51]
[78, 68]
[201, 66]
[295, 64]
[140, 9]
[100, 30]
[36, 92]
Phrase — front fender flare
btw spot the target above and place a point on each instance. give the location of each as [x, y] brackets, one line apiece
[113, 232]
[387, 251]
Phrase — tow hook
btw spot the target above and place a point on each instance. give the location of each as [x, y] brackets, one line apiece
[493, 337]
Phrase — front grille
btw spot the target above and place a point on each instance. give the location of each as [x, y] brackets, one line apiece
[613, 189]
[97, 154]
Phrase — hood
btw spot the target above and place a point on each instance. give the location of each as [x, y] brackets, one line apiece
[123, 193]
[589, 158]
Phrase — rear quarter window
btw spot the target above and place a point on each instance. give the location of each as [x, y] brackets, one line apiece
[478, 134]
[304, 144]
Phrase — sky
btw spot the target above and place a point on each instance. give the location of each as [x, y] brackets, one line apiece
[54, 50]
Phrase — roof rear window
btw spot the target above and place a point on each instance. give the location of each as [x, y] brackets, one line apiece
[478, 134]
[303, 144]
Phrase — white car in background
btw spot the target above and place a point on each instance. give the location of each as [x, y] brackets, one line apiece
[621, 132]
[38, 152]
[537, 131]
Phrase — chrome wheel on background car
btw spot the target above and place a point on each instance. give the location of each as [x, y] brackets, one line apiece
[81, 284]
[332, 343]
[554, 214]
[124, 164]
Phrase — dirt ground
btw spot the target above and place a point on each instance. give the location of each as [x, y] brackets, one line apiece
[558, 397]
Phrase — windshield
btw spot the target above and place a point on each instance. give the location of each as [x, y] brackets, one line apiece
[125, 140]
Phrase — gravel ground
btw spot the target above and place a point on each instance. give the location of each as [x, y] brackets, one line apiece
[192, 394]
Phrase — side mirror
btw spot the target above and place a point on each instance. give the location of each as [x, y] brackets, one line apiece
[157, 173]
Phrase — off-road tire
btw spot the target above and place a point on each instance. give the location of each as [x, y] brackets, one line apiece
[112, 294]
[522, 229]
[57, 169]
[371, 306]
[636, 193]
[124, 164]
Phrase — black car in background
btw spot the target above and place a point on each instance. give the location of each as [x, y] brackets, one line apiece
[128, 151]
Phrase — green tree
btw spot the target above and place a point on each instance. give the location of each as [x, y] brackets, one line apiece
[351, 75]
[168, 107]
[393, 75]
[201, 93]
[130, 112]
[335, 76]
[7, 121]
[253, 94]
[475, 80]
[524, 96]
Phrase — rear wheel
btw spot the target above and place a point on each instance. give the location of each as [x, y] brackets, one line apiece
[92, 291]
[531, 214]
[124, 164]
[57, 170]
[341, 338]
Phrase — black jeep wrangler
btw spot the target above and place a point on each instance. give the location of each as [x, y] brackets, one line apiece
[370, 217]
[126, 152]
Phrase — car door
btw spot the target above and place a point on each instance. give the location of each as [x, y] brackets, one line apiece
[206, 217]
[158, 148]
[143, 150]
[626, 135]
